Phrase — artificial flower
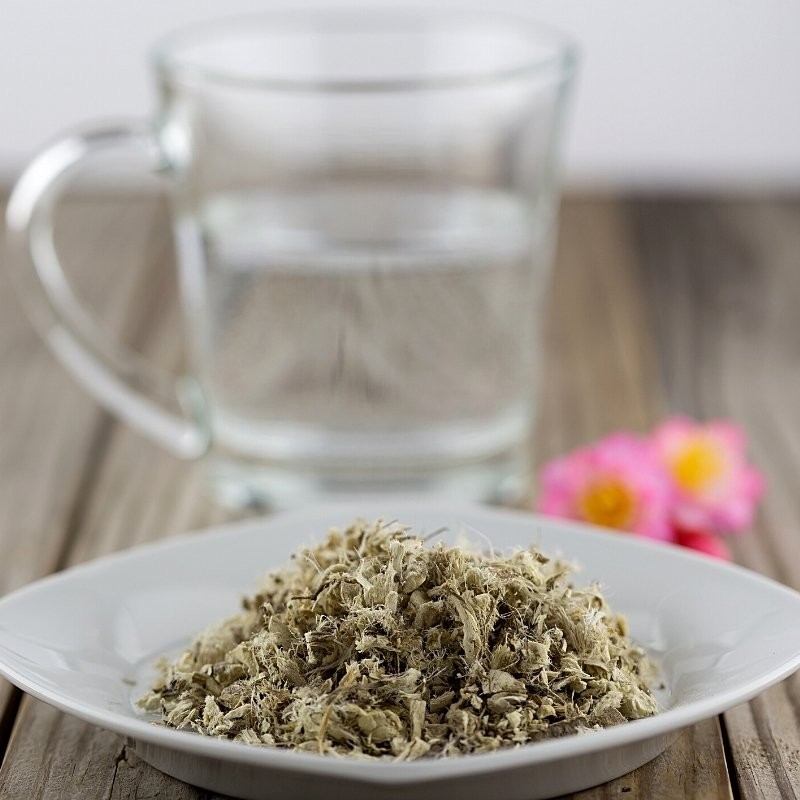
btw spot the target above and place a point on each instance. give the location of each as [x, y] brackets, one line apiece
[615, 483]
[715, 489]
[703, 542]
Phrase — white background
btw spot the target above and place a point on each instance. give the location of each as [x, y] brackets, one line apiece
[699, 95]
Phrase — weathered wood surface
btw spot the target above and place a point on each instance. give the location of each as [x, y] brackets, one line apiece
[657, 306]
[723, 286]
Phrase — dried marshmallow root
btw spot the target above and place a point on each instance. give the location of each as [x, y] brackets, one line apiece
[373, 645]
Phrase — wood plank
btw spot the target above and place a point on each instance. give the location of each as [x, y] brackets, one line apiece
[53, 431]
[599, 347]
[690, 769]
[52, 754]
[724, 289]
[135, 780]
[600, 361]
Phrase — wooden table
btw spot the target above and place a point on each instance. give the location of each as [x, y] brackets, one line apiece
[659, 306]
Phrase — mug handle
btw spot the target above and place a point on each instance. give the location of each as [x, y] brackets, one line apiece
[169, 409]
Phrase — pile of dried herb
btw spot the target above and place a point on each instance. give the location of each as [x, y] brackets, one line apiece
[373, 644]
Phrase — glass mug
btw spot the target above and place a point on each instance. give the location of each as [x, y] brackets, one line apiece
[364, 205]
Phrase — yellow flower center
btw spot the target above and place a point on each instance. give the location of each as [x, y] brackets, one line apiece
[609, 503]
[698, 465]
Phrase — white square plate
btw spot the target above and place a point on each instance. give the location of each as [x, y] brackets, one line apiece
[85, 641]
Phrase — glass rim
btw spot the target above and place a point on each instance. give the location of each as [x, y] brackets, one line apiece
[559, 62]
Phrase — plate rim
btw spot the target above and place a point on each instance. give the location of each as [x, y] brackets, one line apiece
[423, 770]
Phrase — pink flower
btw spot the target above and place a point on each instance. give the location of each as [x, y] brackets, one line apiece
[614, 483]
[715, 489]
[704, 543]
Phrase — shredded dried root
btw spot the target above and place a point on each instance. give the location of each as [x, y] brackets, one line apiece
[374, 645]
